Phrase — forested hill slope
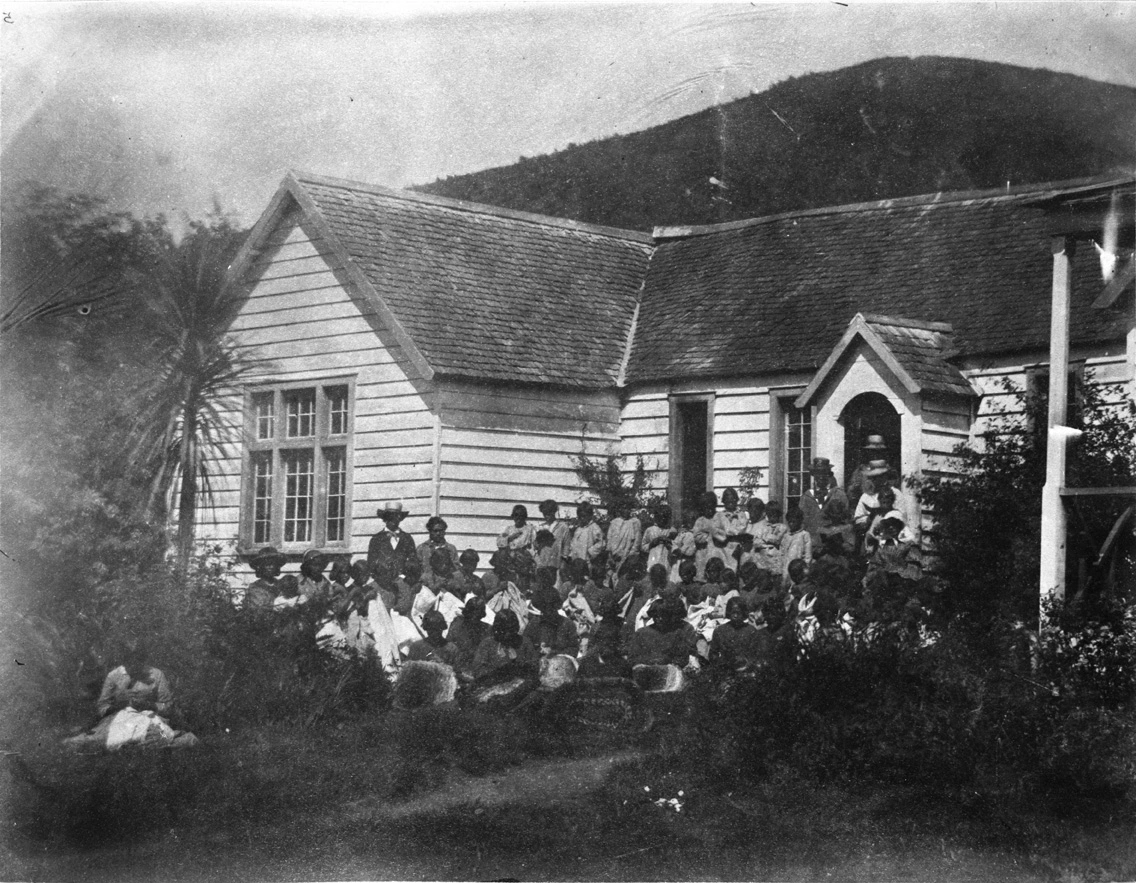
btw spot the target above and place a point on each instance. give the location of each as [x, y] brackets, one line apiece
[887, 128]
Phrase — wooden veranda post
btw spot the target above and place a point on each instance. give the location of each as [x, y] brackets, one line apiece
[1053, 528]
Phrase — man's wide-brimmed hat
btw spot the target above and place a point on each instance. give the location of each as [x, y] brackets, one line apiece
[876, 468]
[266, 557]
[392, 508]
[821, 466]
[875, 443]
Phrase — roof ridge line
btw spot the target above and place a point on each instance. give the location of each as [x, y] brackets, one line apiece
[1020, 193]
[635, 236]
[903, 322]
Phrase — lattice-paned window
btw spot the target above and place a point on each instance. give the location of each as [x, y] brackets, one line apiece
[261, 471]
[297, 479]
[335, 460]
[798, 451]
[301, 413]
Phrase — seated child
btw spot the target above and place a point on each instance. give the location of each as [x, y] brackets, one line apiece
[687, 584]
[544, 552]
[434, 647]
[886, 509]
[465, 578]
[767, 536]
[832, 568]
[550, 631]
[636, 604]
[466, 632]
[797, 543]
[893, 553]
[729, 588]
[266, 564]
[448, 593]
[738, 645]
[745, 552]
[499, 575]
[667, 640]
[711, 588]
[684, 547]
[604, 658]
[577, 579]
[505, 651]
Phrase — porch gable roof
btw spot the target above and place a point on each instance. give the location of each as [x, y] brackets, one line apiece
[915, 351]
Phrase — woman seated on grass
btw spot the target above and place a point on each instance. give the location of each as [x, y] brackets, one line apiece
[133, 708]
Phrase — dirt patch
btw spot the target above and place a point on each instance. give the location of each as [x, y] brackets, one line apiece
[536, 781]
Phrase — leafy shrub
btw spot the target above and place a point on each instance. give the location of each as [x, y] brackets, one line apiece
[611, 484]
[988, 519]
[959, 719]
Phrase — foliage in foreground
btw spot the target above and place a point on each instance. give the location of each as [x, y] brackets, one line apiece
[987, 517]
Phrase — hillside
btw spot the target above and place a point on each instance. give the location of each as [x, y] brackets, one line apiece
[887, 128]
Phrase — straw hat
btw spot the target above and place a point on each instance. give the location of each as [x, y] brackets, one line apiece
[875, 443]
[392, 508]
[876, 468]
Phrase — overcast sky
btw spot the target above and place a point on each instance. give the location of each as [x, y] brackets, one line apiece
[164, 106]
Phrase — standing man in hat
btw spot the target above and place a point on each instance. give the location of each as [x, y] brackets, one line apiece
[825, 506]
[391, 546]
[858, 484]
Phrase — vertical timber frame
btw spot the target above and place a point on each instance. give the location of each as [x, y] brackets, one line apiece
[1053, 518]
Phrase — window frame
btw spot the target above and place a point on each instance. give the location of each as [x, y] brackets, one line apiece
[319, 444]
[1038, 385]
[780, 406]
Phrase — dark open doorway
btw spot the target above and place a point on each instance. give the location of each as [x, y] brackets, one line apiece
[690, 468]
[870, 413]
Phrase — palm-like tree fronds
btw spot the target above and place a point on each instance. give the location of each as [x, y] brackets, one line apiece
[187, 415]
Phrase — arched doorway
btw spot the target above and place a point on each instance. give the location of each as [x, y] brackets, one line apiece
[870, 413]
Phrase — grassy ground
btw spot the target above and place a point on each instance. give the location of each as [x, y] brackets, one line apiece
[465, 797]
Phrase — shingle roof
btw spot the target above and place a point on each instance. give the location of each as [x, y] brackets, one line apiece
[776, 294]
[922, 350]
[916, 352]
[489, 293]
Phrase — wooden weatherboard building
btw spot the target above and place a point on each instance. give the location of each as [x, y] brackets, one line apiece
[456, 356]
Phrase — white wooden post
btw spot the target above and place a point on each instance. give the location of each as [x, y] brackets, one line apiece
[1053, 528]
